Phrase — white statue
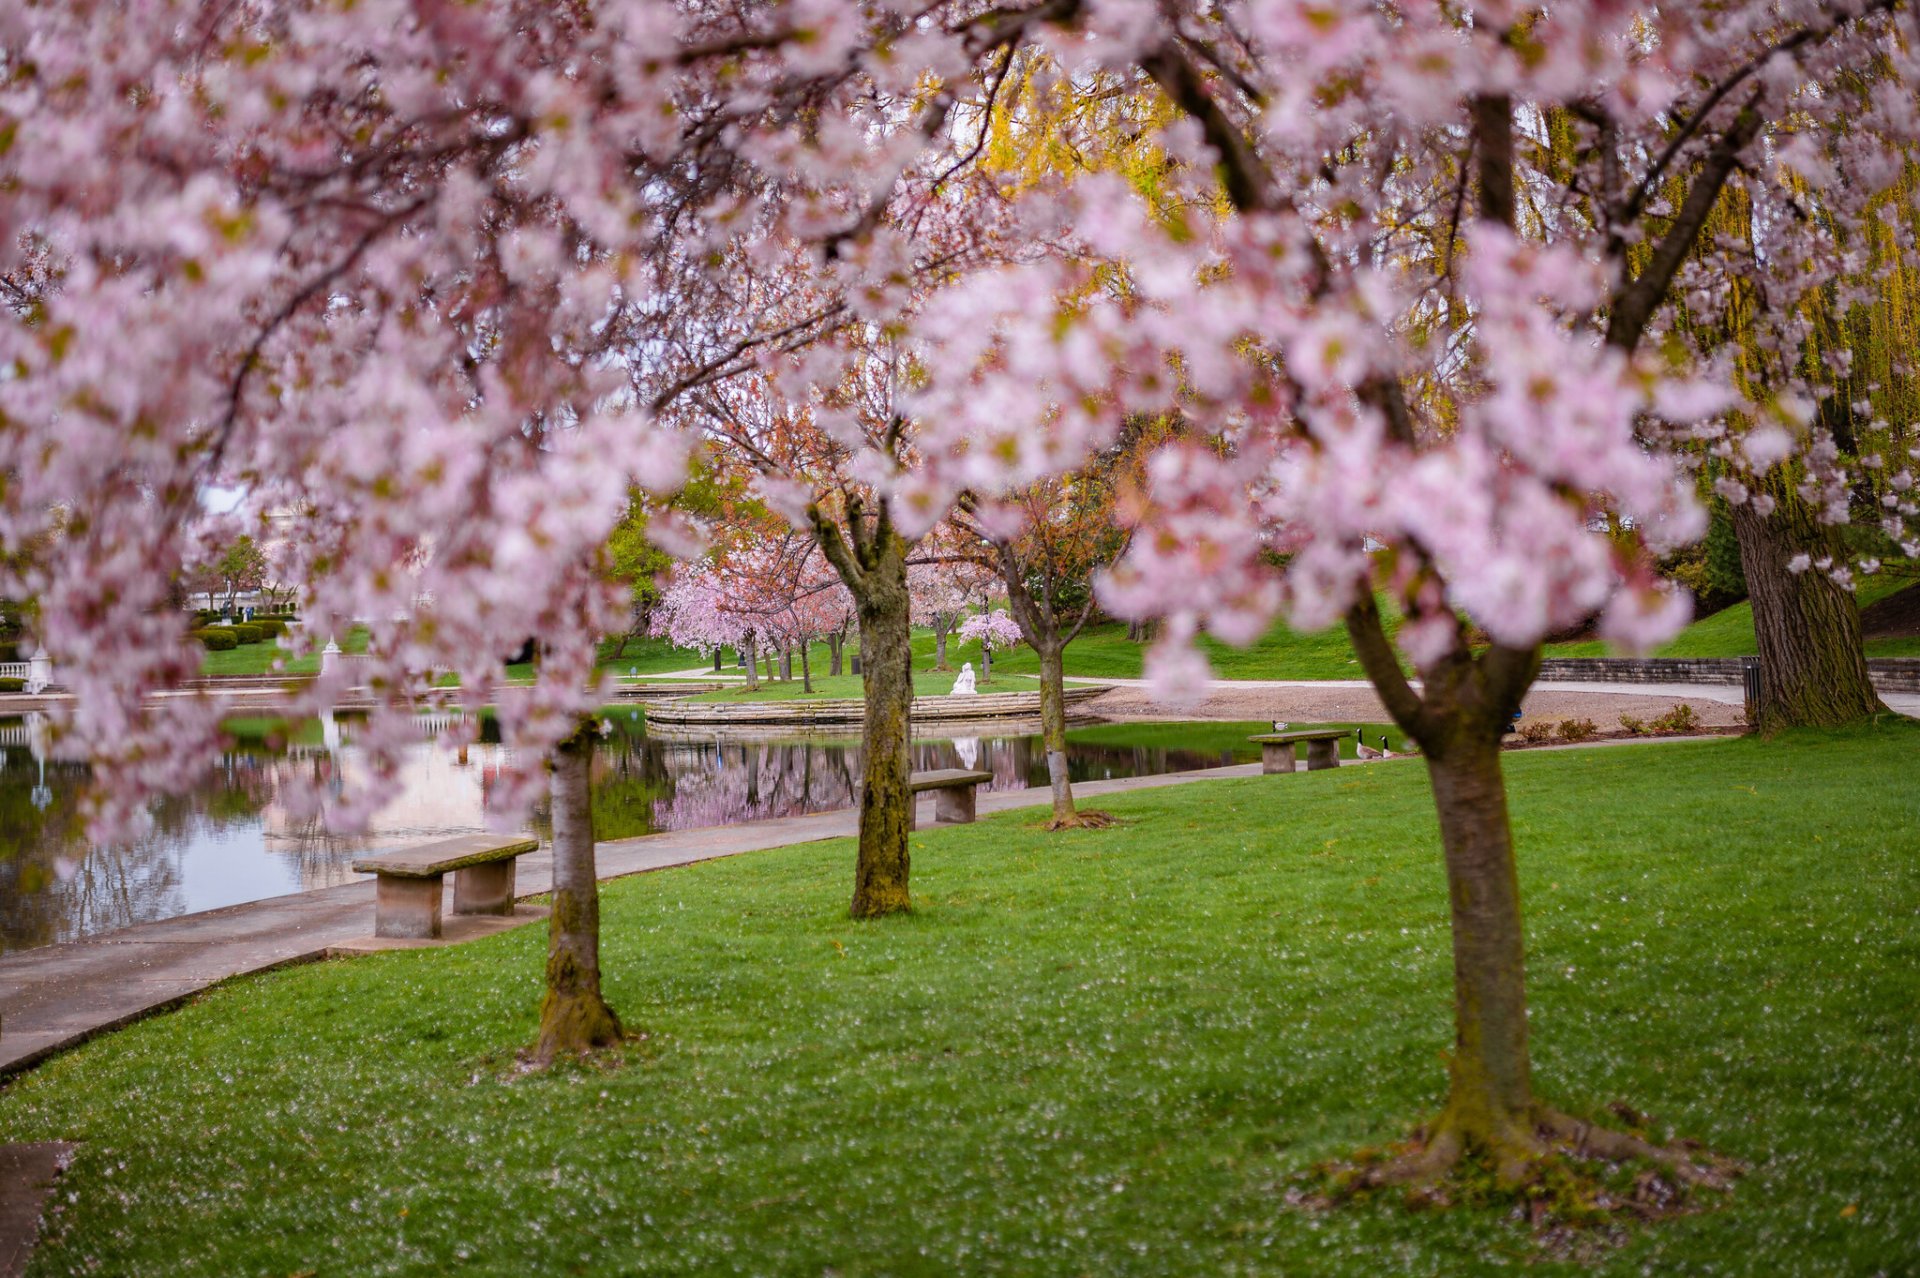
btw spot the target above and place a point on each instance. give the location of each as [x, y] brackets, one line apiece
[963, 686]
[968, 750]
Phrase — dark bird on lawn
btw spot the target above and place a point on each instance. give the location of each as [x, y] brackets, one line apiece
[1362, 749]
[1386, 752]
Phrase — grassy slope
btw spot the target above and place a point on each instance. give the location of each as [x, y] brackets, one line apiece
[1098, 1053]
[648, 656]
[1104, 652]
[1729, 632]
[847, 687]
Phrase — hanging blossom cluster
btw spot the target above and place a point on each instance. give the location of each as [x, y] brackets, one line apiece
[444, 277]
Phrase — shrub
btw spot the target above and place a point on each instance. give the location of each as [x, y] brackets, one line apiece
[1679, 719]
[217, 640]
[1577, 729]
[270, 626]
[10, 651]
[1536, 732]
[247, 632]
[13, 685]
[1634, 723]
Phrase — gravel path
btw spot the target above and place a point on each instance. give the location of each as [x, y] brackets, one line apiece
[1356, 703]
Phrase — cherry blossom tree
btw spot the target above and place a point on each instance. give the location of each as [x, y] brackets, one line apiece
[941, 593]
[992, 627]
[1046, 544]
[1421, 326]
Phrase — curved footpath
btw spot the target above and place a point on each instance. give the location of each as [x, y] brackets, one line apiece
[1355, 701]
[57, 996]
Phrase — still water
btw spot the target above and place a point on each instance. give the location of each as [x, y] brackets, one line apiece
[231, 840]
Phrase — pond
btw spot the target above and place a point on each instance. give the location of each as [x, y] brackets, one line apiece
[231, 840]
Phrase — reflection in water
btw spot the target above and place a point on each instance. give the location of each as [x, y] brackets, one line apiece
[232, 840]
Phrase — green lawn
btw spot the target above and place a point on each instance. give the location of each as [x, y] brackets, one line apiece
[258, 658]
[1729, 632]
[643, 656]
[926, 683]
[1103, 1053]
[1219, 737]
[1105, 652]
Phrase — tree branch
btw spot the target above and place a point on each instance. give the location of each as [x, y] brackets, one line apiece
[1377, 658]
[1635, 302]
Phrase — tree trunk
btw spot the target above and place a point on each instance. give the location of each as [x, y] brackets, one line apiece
[806, 671]
[1053, 730]
[880, 877]
[786, 664]
[986, 661]
[626, 637]
[573, 1016]
[1813, 657]
[752, 665]
[940, 628]
[716, 661]
[1490, 1100]
[834, 644]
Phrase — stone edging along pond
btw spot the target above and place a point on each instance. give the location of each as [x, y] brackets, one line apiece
[1889, 674]
[963, 709]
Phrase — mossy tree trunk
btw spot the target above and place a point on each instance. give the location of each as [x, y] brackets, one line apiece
[940, 629]
[573, 1015]
[752, 653]
[835, 642]
[1458, 718]
[806, 670]
[1053, 731]
[871, 559]
[1813, 656]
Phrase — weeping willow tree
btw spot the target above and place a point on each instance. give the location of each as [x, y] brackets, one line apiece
[1834, 370]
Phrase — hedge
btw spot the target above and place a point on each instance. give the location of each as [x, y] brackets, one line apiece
[13, 685]
[247, 632]
[217, 639]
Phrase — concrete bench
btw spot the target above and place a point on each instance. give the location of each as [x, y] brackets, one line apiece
[409, 890]
[1276, 749]
[952, 793]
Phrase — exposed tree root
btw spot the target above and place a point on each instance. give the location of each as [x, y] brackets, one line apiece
[1088, 819]
[1560, 1174]
[575, 1024]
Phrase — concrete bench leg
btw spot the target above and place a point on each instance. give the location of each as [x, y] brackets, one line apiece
[1276, 758]
[1322, 754]
[407, 908]
[953, 805]
[484, 889]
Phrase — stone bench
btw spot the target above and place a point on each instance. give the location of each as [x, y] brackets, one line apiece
[409, 891]
[1276, 749]
[953, 790]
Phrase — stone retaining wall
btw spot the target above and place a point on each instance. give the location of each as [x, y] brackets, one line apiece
[1890, 674]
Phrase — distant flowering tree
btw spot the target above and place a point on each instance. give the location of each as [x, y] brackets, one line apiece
[691, 613]
[992, 629]
[942, 591]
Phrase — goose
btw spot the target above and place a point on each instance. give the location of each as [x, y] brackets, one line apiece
[1386, 752]
[1362, 749]
[1281, 725]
